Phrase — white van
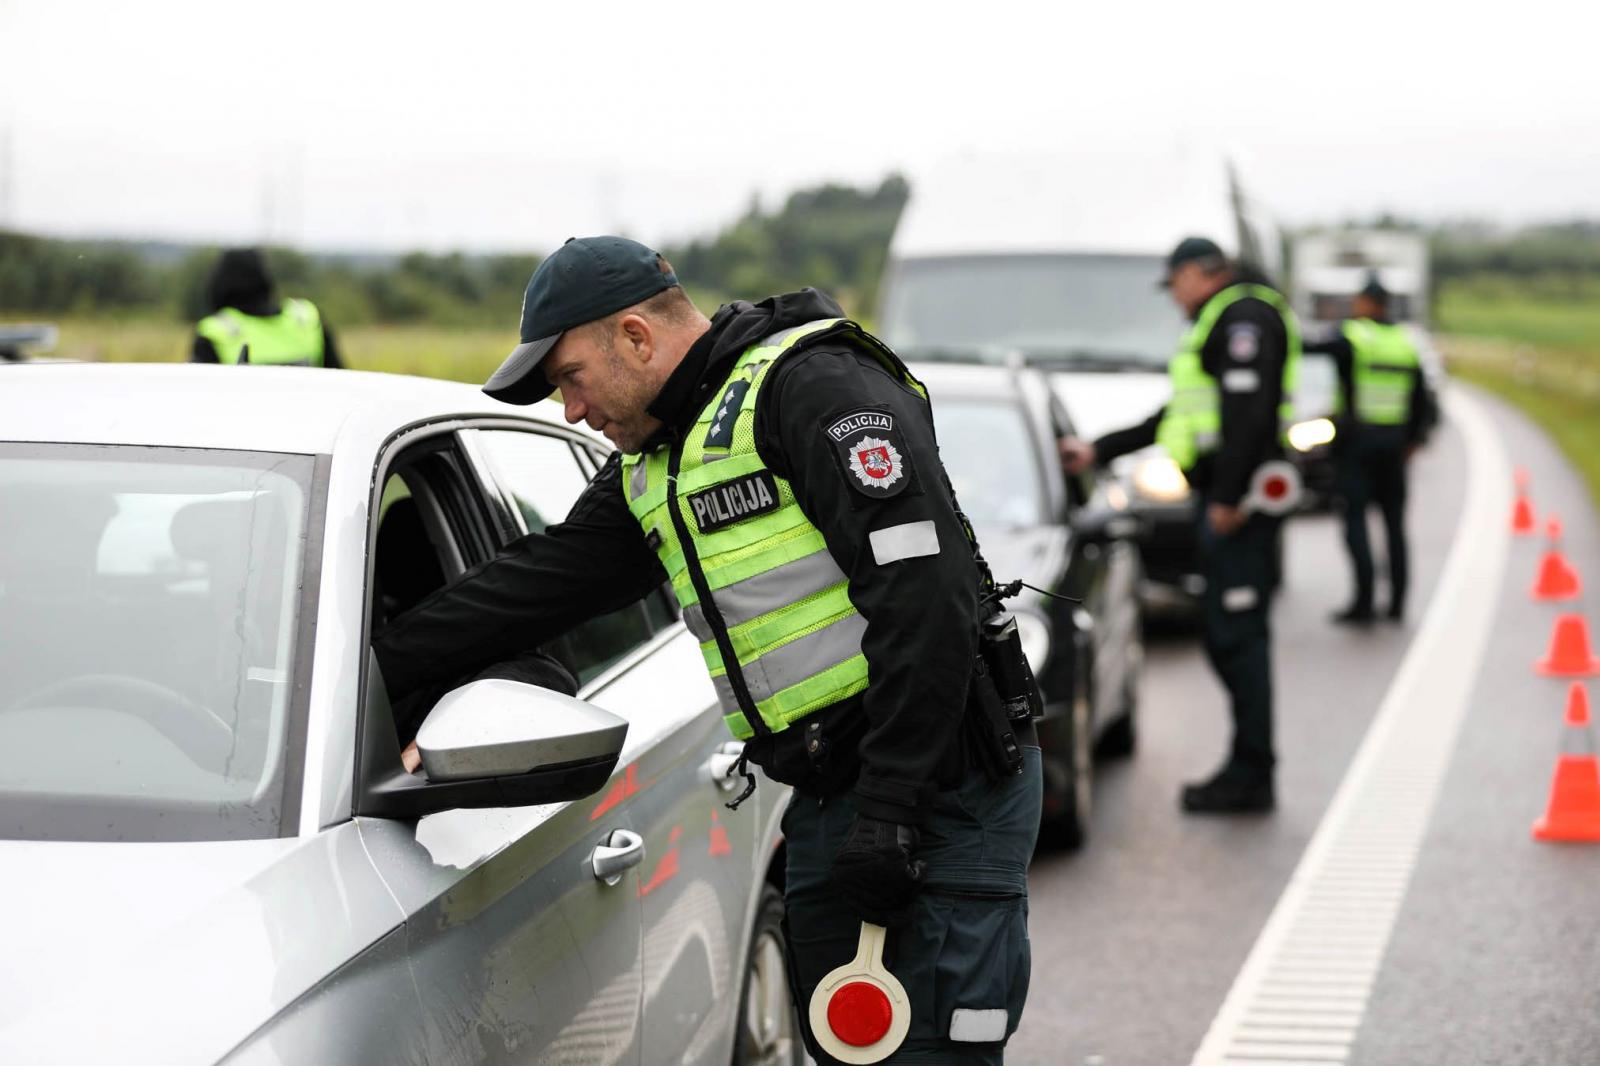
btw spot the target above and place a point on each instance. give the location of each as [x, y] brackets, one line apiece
[1055, 261]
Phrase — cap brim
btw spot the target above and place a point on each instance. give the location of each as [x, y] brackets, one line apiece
[519, 379]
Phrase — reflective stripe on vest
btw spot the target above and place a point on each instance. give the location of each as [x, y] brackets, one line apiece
[1191, 425]
[779, 602]
[1384, 366]
[292, 337]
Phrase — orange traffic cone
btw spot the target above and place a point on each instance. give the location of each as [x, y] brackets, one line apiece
[1574, 809]
[1569, 654]
[1557, 578]
[1522, 522]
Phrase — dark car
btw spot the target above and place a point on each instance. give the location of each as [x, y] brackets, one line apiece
[997, 431]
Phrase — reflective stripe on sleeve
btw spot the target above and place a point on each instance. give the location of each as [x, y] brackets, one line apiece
[907, 541]
[1241, 381]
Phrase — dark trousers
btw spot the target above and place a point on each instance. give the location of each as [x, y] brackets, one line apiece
[1239, 571]
[966, 945]
[1375, 474]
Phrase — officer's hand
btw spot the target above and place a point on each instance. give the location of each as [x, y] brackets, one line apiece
[1225, 521]
[1076, 455]
[875, 872]
[411, 758]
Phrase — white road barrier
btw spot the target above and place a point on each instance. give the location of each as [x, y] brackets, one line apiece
[1302, 991]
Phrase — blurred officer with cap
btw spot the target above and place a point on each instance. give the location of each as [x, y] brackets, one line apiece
[249, 324]
[777, 465]
[1385, 411]
[1232, 380]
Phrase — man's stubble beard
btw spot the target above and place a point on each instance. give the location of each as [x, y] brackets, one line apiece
[635, 397]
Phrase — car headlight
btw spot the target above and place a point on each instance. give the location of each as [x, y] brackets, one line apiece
[1303, 436]
[1034, 634]
[1158, 478]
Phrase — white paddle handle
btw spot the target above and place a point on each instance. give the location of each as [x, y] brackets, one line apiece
[869, 950]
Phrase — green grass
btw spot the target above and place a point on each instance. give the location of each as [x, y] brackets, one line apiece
[1571, 418]
[1535, 342]
[467, 354]
[1558, 313]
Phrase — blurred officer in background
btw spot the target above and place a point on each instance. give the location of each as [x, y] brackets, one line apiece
[1232, 382]
[249, 324]
[777, 464]
[1385, 412]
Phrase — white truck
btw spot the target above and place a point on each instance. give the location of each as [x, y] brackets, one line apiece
[1331, 266]
[1328, 268]
[1054, 260]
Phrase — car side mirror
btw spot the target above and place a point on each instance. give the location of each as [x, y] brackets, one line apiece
[498, 743]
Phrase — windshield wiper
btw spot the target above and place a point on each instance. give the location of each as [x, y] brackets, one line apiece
[1091, 358]
[971, 353]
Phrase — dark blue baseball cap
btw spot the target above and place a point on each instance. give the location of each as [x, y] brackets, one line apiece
[586, 279]
[1189, 250]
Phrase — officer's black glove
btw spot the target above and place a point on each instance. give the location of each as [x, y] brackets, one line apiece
[875, 872]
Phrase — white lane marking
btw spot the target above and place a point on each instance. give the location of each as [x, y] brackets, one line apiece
[1366, 846]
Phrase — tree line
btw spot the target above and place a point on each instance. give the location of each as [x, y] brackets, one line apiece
[832, 236]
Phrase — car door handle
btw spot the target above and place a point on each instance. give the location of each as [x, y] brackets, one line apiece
[723, 762]
[622, 850]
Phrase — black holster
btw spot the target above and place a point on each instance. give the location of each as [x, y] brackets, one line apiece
[994, 741]
[1002, 700]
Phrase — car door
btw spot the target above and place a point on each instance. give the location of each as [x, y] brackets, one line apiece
[1106, 573]
[520, 952]
[696, 882]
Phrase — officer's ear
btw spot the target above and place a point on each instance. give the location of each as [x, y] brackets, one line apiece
[636, 337]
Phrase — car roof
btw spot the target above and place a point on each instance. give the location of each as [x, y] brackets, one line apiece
[259, 408]
[954, 382]
[1134, 201]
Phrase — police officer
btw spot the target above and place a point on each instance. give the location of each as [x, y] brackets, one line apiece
[777, 464]
[1231, 379]
[249, 324]
[1386, 410]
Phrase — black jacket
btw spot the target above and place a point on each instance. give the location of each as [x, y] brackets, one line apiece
[1249, 341]
[894, 740]
[1422, 416]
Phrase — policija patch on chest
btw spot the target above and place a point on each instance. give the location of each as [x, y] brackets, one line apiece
[869, 449]
[722, 505]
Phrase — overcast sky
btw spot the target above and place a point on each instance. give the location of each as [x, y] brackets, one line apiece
[485, 125]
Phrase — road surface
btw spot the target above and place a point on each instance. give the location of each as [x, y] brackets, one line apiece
[1422, 925]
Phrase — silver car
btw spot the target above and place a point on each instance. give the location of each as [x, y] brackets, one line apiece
[210, 852]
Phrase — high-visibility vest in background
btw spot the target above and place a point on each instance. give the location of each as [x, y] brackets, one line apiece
[292, 337]
[1191, 425]
[1384, 368]
[780, 636]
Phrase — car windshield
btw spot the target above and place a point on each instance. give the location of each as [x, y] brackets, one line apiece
[148, 599]
[992, 461]
[1091, 311]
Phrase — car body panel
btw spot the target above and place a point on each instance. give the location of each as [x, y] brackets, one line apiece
[1101, 403]
[147, 930]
